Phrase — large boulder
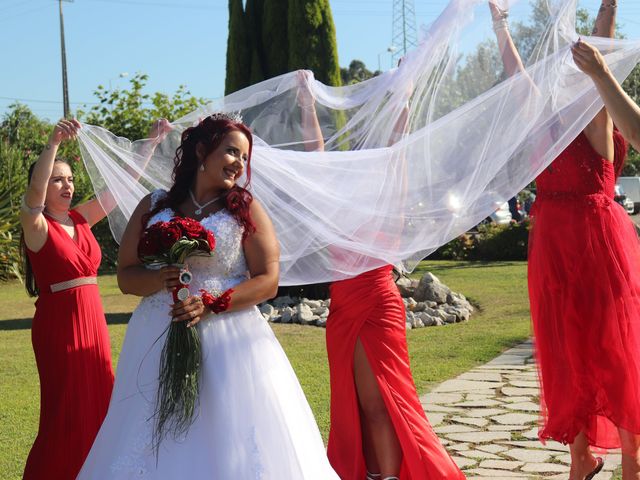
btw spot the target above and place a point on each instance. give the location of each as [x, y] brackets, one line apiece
[431, 289]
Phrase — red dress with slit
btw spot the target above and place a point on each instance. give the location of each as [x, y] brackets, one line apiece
[72, 350]
[370, 308]
[584, 287]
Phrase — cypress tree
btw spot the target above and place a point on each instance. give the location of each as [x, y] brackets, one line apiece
[238, 51]
[274, 37]
[312, 40]
[253, 20]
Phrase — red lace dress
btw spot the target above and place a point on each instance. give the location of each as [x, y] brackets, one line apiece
[584, 287]
[369, 307]
[71, 345]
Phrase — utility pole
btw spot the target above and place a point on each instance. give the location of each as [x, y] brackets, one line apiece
[405, 34]
[65, 86]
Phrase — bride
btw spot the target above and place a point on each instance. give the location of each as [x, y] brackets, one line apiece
[253, 420]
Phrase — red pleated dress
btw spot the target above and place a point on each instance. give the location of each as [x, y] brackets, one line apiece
[584, 288]
[369, 307]
[72, 350]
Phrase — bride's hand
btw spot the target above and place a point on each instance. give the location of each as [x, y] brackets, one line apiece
[190, 310]
[169, 277]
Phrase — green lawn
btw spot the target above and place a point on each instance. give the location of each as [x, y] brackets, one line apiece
[499, 289]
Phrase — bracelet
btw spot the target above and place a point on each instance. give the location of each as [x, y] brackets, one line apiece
[218, 304]
[501, 24]
[30, 210]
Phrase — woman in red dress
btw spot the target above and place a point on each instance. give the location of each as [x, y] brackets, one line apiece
[69, 331]
[584, 288]
[379, 430]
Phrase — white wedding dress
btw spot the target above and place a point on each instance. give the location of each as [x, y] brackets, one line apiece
[253, 420]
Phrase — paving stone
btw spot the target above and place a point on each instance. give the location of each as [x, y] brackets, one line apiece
[454, 429]
[517, 399]
[517, 391]
[503, 368]
[507, 360]
[484, 412]
[481, 376]
[459, 447]
[434, 407]
[501, 464]
[478, 403]
[507, 428]
[442, 398]
[463, 462]
[465, 386]
[479, 396]
[492, 448]
[544, 468]
[496, 474]
[523, 406]
[531, 434]
[479, 454]
[436, 418]
[558, 447]
[515, 419]
[478, 422]
[525, 384]
[528, 455]
[479, 437]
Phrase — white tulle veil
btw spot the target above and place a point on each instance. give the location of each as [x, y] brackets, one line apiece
[375, 196]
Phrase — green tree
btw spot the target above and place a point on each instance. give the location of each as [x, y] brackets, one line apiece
[130, 112]
[312, 40]
[275, 38]
[238, 50]
[253, 20]
[356, 72]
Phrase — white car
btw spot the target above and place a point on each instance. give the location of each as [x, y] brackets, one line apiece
[502, 215]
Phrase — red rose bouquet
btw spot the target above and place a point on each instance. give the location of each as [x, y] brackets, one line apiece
[170, 243]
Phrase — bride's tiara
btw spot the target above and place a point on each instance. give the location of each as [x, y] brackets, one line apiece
[231, 116]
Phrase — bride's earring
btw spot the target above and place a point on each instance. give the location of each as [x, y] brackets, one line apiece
[202, 167]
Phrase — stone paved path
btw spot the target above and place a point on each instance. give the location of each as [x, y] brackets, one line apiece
[487, 419]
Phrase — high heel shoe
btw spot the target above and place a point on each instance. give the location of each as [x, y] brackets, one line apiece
[600, 464]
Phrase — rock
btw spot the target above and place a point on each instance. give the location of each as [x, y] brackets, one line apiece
[266, 317]
[417, 322]
[409, 326]
[432, 304]
[320, 310]
[287, 315]
[450, 318]
[428, 320]
[285, 301]
[410, 303]
[406, 287]
[325, 314]
[305, 315]
[312, 304]
[321, 322]
[419, 307]
[431, 289]
[267, 309]
[410, 317]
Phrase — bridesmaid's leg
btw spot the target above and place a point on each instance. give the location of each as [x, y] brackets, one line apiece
[582, 460]
[384, 448]
[630, 455]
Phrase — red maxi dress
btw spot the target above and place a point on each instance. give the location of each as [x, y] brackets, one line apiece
[369, 307]
[73, 355]
[584, 287]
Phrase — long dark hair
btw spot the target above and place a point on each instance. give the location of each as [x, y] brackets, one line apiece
[209, 133]
[30, 284]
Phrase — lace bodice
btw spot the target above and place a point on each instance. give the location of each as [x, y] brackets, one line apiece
[227, 266]
[579, 171]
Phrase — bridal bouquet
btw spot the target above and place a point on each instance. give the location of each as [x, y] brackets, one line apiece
[170, 243]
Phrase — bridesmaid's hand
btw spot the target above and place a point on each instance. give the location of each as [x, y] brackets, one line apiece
[169, 277]
[190, 310]
[64, 130]
[588, 59]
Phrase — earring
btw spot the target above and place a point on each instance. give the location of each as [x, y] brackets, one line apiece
[202, 167]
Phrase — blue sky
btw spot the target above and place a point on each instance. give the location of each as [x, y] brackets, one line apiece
[173, 41]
